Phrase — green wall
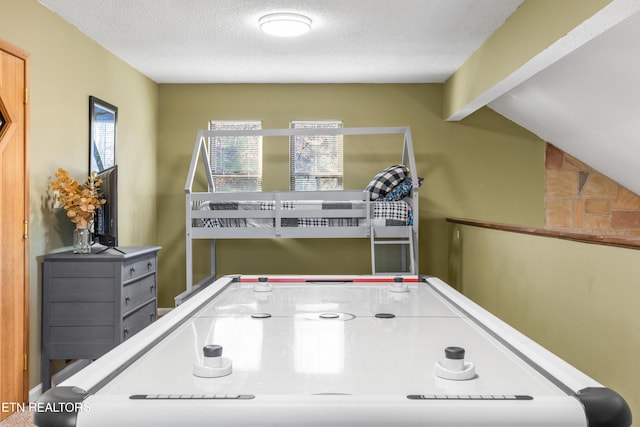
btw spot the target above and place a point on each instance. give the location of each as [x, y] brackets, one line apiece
[581, 301]
[65, 68]
[482, 167]
[512, 45]
[578, 300]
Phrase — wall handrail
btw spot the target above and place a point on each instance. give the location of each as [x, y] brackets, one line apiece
[604, 240]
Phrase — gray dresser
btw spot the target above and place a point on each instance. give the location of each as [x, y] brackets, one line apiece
[93, 302]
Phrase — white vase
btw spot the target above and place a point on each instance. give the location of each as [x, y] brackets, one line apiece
[81, 241]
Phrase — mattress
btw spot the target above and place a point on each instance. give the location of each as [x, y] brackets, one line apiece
[387, 213]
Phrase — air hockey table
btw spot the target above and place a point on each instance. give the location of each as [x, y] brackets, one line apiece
[330, 351]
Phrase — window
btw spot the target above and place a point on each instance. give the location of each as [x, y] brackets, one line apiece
[316, 161]
[236, 161]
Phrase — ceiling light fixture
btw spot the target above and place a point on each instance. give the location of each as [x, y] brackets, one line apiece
[285, 24]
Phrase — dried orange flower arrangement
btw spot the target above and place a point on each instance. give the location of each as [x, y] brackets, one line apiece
[80, 201]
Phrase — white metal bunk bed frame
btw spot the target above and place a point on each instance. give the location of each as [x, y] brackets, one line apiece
[193, 199]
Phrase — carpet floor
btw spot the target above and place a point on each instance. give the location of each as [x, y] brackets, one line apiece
[18, 419]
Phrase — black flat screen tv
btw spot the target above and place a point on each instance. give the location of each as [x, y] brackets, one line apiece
[106, 221]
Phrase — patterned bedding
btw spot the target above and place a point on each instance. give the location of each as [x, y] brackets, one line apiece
[391, 213]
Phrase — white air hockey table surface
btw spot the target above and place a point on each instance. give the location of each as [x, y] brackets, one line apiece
[331, 351]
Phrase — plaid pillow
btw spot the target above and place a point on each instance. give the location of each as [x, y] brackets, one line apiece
[384, 181]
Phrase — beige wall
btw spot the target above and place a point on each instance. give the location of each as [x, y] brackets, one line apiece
[483, 167]
[65, 68]
[581, 301]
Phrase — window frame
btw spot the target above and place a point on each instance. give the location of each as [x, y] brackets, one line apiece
[221, 177]
[338, 175]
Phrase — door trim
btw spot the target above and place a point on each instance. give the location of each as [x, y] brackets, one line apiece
[24, 55]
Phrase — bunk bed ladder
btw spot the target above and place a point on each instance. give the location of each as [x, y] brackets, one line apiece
[379, 238]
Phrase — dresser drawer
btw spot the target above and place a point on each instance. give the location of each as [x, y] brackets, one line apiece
[138, 320]
[138, 267]
[138, 292]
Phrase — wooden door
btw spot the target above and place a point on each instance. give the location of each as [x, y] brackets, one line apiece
[14, 283]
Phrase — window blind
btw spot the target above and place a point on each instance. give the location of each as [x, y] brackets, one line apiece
[236, 161]
[316, 161]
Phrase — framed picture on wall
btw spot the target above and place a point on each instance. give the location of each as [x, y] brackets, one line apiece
[103, 120]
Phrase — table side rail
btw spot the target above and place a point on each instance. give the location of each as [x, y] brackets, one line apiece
[562, 371]
[336, 411]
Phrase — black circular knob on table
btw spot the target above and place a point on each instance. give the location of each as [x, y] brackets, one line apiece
[212, 350]
[455, 353]
[385, 315]
[329, 315]
[263, 279]
[261, 315]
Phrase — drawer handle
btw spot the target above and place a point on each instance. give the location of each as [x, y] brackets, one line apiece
[132, 270]
[149, 265]
[126, 331]
[127, 300]
[151, 316]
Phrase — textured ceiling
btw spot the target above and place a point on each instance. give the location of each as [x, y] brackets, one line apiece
[581, 94]
[352, 41]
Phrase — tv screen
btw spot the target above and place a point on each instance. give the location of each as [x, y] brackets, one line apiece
[106, 221]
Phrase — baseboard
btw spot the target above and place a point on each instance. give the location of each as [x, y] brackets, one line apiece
[163, 311]
[66, 372]
[35, 393]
